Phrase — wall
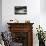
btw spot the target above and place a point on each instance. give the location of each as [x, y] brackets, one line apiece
[43, 14]
[33, 14]
[43, 6]
[0, 15]
[33, 11]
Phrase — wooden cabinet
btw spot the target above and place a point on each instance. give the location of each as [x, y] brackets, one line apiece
[22, 33]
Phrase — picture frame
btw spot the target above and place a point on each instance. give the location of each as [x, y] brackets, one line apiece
[20, 10]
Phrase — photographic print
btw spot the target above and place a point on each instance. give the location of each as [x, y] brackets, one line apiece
[20, 10]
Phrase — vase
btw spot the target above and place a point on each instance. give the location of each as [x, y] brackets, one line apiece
[41, 43]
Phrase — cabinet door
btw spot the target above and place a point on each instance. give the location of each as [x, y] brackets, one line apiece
[20, 38]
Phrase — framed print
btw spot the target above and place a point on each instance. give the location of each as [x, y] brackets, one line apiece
[20, 10]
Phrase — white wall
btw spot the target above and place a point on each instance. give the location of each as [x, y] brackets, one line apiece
[0, 15]
[43, 14]
[33, 10]
[33, 14]
[43, 6]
